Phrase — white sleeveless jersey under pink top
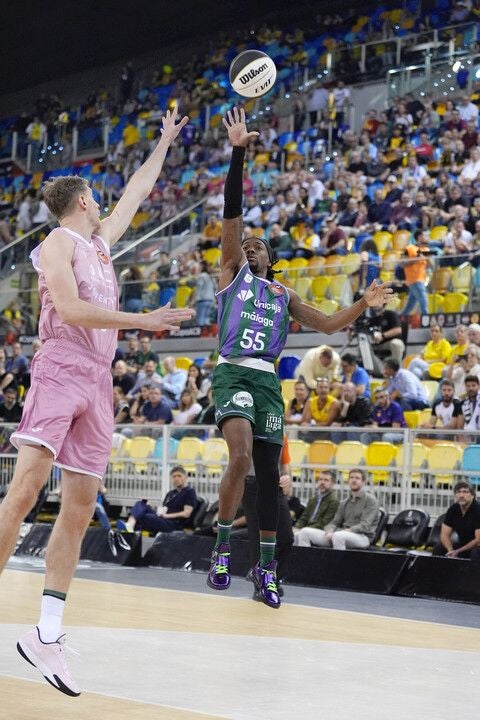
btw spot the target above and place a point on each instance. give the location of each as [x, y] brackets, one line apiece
[97, 285]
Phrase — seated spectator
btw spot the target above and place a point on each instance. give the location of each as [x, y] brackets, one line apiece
[462, 518]
[122, 377]
[10, 409]
[438, 349]
[132, 290]
[133, 356]
[207, 414]
[198, 384]
[17, 364]
[334, 240]
[404, 386]
[322, 408]
[446, 411]
[379, 212]
[178, 505]
[470, 417]
[321, 361]
[458, 243]
[138, 402]
[146, 351]
[147, 376]
[252, 214]
[173, 381]
[319, 512]
[387, 333]
[281, 242]
[468, 364]
[121, 407]
[353, 373]
[355, 411]
[151, 292]
[156, 411]
[294, 412]
[355, 520]
[7, 379]
[461, 345]
[371, 263]
[204, 294]
[212, 232]
[188, 409]
[473, 333]
[386, 413]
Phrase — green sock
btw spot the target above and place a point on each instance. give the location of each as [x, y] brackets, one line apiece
[224, 529]
[267, 546]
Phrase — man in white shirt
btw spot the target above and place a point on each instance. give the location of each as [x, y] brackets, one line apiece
[315, 187]
[471, 169]
[467, 109]
[252, 214]
[458, 241]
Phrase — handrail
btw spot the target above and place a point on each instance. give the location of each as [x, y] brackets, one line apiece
[23, 237]
[158, 229]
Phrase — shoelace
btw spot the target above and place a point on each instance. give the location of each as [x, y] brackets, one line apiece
[62, 642]
[221, 566]
[269, 580]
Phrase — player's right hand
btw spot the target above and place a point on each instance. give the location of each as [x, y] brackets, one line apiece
[237, 128]
[165, 318]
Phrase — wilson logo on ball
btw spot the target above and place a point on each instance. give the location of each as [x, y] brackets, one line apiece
[252, 73]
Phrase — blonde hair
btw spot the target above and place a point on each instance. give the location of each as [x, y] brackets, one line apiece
[61, 192]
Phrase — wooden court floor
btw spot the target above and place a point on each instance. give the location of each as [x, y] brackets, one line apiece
[165, 654]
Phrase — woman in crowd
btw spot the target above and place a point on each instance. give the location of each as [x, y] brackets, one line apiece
[438, 349]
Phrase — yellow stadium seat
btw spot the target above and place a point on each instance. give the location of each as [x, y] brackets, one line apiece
[390, 260]
[442, 458]
[257, 232]
[394, 303]
[182, 295]
[212, 256]
[138, 219]
[351, 263]
[189, 451]
[118, 454]
[288, 389]
[374, 384]
[333, 264]
[327, 306]
[431, 386]
[298, 456]
[425, 415]
[408, 359]
[215, 451]
[435, 302]
[315, 265]
[321, 452]
[438, 232]
[380, 453]
[183, 362]
[400, 239]
[297, 266]
[320, 286]
[351, 454]
[419, 461]
[455, 302]
[462, 278]
[435, 370]
[383, 240]
[140, 449]
[337, 287]
[303, 286]
[440, 279]
[412, 418]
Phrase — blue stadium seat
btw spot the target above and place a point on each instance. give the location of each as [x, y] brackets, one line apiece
[471, 462]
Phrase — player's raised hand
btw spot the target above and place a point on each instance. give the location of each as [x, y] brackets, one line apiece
[170, 127]
[165, 318]
[237, 128]
[378, 295]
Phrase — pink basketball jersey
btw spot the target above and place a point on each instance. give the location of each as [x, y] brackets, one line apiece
[97, 285]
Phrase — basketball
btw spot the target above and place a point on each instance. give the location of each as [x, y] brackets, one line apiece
[252, 73]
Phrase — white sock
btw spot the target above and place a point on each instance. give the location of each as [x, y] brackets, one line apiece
[51, 614]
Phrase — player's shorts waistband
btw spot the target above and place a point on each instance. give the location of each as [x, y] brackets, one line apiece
[77, 348]
[254, 363]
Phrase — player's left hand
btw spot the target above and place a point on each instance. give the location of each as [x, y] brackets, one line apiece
[170, 127]
[378, 295]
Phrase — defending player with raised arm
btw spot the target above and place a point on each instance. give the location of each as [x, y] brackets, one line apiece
[68, 413]
[253, 316]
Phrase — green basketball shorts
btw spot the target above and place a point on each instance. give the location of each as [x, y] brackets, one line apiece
[252, 394]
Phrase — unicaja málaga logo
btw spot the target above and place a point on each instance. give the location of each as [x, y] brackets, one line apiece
[246, 77]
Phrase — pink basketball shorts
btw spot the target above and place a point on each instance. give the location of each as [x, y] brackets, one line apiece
[69, 407]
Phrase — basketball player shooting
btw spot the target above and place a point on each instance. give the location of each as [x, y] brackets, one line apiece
[68, 413]
[253, 318]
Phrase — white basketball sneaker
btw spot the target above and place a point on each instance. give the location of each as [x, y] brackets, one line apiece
[49, 658]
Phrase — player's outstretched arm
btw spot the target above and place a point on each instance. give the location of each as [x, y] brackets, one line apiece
[232, 226]
[56, 263]
[141, 183]
[375, 296]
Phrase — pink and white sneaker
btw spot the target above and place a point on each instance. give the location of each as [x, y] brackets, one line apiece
[49, 658]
